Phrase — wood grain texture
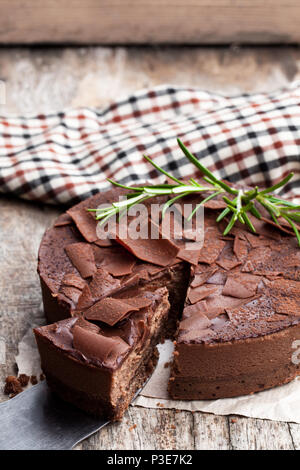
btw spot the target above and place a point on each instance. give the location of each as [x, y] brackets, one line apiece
[46, 80]
[42, 80]
[257, 434]
[136, 22]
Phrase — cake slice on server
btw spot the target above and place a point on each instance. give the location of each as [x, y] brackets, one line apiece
[100, 368]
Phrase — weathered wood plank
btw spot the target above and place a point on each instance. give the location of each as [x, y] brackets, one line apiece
[21, 227]
[135, 22]
[144, 428]
[258, 434]
[295, 434]
[46, 80]
[211, 432]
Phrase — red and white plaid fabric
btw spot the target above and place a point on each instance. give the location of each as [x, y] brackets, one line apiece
[67, 156]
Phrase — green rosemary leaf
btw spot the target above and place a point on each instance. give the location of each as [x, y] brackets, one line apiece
[230, 225]
[240, 217]
[293, 227]
[255, 211]
[223, 214]
[127, 202]
[278, 185]
[293, 215]
[274, 219]
[229, 201]
[208, 180]
[204, 170]
[170, 202]
[156, 191]
[190, 189]
[239, 207]
[271, 208]
[162, 170]
[248, 222]
[119, 185]
[208, 198]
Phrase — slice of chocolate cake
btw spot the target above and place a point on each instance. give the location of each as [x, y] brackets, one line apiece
[237, 299]
[98, 365]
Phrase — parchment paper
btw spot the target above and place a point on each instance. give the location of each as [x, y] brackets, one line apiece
[279, 404]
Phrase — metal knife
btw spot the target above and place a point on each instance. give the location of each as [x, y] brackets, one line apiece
[36, 419]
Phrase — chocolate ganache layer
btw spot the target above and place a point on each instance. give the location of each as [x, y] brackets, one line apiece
[232, 306]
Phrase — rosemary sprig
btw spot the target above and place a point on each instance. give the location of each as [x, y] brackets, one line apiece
[242, 202]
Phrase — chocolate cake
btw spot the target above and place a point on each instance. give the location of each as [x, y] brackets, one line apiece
[232, 306]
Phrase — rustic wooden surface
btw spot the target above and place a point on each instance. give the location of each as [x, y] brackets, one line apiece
[153, 21]
[46, 80]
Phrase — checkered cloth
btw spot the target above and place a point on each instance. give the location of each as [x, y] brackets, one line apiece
[67, 156]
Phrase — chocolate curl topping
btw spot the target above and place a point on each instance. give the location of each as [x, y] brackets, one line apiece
[241, 285]
[111, 311]
[85, 222]
[82, 257]
[99, 347]
[160, 251]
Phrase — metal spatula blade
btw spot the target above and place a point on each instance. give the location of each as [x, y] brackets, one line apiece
[38, 420]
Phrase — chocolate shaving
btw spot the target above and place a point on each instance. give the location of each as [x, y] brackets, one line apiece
[217, 304]
[159, 251]
[228, 259]
[63, 219]
[215, 204]
[194, 327]
[85, 222]
[241, 285]
[82, 257]
[212, 248]
[73, 280]
[257, 241]
[87, 325]
[240, 248]
[141, 301]
[218, 278]
[117, 262]
[286, 306]
[85, 299]
[196, 321]
[109, 311]
[190, 255]
[103, 243]
[103, 284]
[71, 293]
[190, 310]
[131, 280]
[199, 293]
[200, 278]
[99, 347]
[152, 269]
[276, 318]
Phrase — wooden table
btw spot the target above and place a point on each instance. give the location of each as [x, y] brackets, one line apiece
[41, 80]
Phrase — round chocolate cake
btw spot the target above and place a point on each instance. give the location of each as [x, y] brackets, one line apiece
[232, 307]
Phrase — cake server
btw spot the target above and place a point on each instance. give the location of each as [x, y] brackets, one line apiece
[36, 419]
